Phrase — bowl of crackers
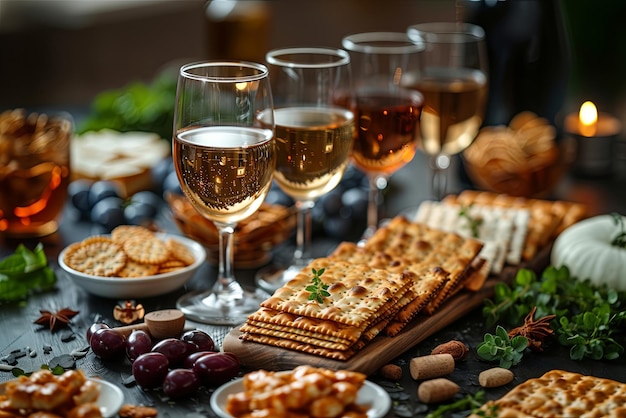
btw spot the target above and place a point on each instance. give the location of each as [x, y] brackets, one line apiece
[132, 262]
[254, 238]
[522, 159]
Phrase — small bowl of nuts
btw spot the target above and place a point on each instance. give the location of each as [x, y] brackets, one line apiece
[522, 159]
[132, 262]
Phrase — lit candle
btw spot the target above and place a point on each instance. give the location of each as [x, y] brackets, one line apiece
[594, 134]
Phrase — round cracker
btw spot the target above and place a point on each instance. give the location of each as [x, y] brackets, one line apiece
[147, 250]
[96, 257]
[135, 269]
[122, 233]
[179, 251]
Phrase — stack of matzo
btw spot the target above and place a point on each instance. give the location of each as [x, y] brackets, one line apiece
[559, 394]
[404, 269]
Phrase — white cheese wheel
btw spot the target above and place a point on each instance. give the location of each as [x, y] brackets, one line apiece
[585, 248]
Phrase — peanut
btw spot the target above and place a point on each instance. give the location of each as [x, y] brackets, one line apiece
[434, 365]
[494, 377]
[437, 390]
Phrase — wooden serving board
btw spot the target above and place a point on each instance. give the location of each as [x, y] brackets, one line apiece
[382, 349]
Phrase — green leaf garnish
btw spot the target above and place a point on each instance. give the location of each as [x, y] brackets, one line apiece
[318, 288]
[468, 403]
[590, 318]
[499, 347]
[620, 239]
[472, 222]
[24, 272]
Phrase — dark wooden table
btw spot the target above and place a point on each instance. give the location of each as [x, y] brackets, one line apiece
[18, 333]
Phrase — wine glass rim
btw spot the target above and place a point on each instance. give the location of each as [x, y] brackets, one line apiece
[381, 43]
[455, 32]
[342, 57]
[260, 71]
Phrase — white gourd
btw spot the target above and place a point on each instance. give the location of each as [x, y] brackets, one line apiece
[585, 248]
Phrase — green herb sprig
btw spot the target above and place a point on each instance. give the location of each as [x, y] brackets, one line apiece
[590, 318]
[468, 403]
[500, 347]
[474, 223]
[318, 288]
[24, 272]
[620, 239]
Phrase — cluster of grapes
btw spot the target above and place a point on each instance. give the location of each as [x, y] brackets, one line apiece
[179, 366]
[338, 213]
[343, 211]
[101, 201]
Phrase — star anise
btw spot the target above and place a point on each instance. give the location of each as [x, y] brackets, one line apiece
[56, 319]
[534, 330]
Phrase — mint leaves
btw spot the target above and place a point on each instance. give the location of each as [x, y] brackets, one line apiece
[24, 272]
[499, 347]
[590, 319]
[318, 288]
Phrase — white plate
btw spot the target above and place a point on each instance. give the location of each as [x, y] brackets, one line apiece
[137, 287]
[110, 400]
[370, 394]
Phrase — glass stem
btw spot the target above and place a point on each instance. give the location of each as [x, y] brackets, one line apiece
[439, 176]
[225, 283]
[377, 184]
[304, 228]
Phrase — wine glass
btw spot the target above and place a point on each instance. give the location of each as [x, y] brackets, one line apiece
[387, 111]
[224, 155]
[314, 134]
[453, 80]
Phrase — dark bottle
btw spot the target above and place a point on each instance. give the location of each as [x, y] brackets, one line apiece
[529, 56]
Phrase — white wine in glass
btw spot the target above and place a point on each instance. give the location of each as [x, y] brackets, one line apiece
[224, 155]
[453, 80]
[314, 135]
[387, 112]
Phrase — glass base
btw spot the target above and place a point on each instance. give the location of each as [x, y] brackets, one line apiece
[208, 308]
[274, 277]
[39, 230]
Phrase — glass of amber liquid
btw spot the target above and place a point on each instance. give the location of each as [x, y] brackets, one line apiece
[34, 172]
[387, 112]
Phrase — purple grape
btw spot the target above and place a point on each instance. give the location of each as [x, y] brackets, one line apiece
[175, 350]
[201, 339]
[137, 343]
[93, 328]
[180, 383]
[107, 343]
[150, 369]
[216, 369]
[191, 358]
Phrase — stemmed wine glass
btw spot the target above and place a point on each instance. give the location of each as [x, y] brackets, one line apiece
[224, 155]
[453, 81]
[387, 111]
[314, 134]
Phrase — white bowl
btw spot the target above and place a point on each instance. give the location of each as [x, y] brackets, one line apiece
[137, 287]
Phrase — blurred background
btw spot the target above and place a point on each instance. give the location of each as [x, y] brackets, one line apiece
[551, 54]
[113, 64]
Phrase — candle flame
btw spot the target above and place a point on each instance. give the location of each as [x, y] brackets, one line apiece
[588, 113]
[588, 117]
